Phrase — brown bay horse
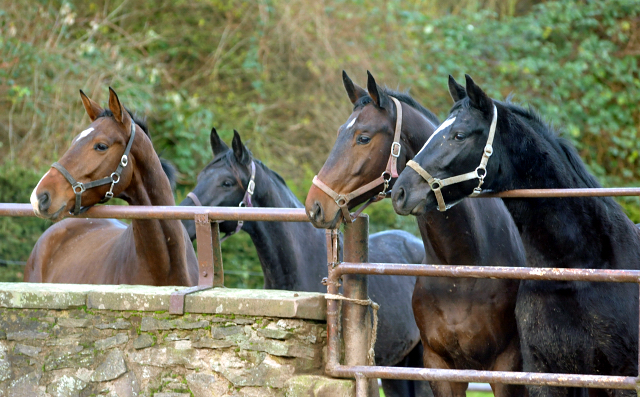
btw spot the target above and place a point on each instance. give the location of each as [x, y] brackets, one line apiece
[464, 323]
[113, 157]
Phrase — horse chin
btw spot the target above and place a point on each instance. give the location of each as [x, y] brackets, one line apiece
[56, 216]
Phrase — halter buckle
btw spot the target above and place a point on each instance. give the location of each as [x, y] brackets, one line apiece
[124, 160]
[395, 149]
[488, 150]
[108, 195]
[78, 185]
[251, 186]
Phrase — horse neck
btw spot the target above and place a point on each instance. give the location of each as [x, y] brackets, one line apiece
[292, 254]
[158, 244]
[562, 232]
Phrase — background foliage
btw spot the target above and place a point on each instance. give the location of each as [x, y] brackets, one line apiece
[271, 69]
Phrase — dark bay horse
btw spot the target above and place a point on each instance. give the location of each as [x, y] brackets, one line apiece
[565, 326]
[293, 254]
[105, 251]
[465, 323]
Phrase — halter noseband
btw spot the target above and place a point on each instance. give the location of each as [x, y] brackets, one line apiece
[342, 200]
[480, 172]
[79, 187]
[246, 200]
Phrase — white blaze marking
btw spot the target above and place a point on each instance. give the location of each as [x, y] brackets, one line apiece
[84, 133]
[34, 197]
[352, 123]
[442, 127]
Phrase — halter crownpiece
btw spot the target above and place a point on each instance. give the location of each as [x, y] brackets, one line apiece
[480, 172]
[79, 187]
[246, 200]
[342, 200]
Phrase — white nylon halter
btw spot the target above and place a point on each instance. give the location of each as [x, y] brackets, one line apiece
[480, 172]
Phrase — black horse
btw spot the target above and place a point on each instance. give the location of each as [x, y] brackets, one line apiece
[293, 254]
[565, 327]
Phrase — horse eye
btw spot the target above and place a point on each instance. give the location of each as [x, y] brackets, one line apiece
[101, 147]
[363, 140]
[227, 184]
[459, 136]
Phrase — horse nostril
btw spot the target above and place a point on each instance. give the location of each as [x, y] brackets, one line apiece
[316, 212]
[44, 201]
[399, 197]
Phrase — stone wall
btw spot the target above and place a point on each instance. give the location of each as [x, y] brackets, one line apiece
[80, 340]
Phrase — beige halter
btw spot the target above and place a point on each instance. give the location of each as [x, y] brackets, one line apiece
[480, 172]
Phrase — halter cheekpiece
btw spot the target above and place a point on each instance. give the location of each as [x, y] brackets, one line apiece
[480, 172]
[113, 179]
[342, 200]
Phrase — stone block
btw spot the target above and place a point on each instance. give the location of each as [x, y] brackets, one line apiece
[111, 368]
[319, 386]
[131, 297]
[43, 296]
[171, 394]
[267, 303]
[26, 335]
[224, 332]
[108, 343]
[207, 385]
[142, 341]
[27, 350]
[70, 357]
[208, 343]
[264, 372]
[26, 386]
[274, 333]
[74, 322]
[152, 324]
[66, 386]
[119, 324]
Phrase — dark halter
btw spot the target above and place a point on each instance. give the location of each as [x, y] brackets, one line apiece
[79, 187]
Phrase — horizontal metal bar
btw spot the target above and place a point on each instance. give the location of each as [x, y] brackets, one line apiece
[586, 192]
[466, 375]
[518, 273]
[175, 212]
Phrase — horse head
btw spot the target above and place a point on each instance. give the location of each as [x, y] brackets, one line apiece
[224, 181]
[94, 168]
[456, 161]
[359, 156]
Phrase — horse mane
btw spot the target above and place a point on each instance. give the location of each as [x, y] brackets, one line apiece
[561, 145]
[402, 97]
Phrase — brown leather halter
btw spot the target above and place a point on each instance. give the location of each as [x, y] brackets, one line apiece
[342, 200]
[79, 187]
[246, 200]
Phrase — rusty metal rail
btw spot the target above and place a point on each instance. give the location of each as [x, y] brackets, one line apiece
[356, 252]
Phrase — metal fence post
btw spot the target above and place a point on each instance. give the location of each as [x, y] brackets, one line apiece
[356, 319]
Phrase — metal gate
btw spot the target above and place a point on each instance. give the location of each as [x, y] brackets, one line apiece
[353, 274]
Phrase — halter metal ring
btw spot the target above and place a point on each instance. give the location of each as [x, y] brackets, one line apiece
[484, 172]
[242, 204]
[115, 177]
[395, 149]
[80, 186]
[341, 201]
[436, 184]
[124, 160]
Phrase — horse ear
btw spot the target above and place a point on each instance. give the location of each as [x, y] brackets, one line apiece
[239, 150]
[93, 109]
[217, 145]
[376, 93]
[456, 90]
[478, 98]
[354, 91]
[119, 112]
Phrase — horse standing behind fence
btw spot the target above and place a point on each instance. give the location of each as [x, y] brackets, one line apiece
[118, 156]
[465, 323]
[565, 326]
[293, 255]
